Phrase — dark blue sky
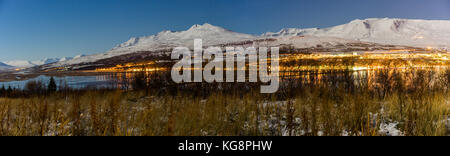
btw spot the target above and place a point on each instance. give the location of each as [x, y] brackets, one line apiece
[35, 29]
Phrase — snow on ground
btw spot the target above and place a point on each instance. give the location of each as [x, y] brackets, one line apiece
[390, 129]
[448, 126]
[274, 122]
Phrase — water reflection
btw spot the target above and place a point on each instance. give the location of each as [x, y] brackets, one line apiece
[371, 77]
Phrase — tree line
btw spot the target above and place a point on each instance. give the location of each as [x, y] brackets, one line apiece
[30, 88]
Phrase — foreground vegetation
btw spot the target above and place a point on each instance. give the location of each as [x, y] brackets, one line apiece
[311, 103]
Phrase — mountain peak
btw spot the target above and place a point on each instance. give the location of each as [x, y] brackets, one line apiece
[206, 26]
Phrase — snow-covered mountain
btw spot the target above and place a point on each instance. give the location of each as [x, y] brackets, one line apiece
[20, 63]
[63, 59]
[211, 35]
[405, 32]
[27, 64]
[78, 56]
[409, 32]
[4, 66]
[45, 61]
[308, 41]
[290, 32]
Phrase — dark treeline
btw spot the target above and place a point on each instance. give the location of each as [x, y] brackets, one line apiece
[31, 88]
[9, 92]
[380, 83]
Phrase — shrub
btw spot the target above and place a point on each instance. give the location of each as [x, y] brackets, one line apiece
[34, 87]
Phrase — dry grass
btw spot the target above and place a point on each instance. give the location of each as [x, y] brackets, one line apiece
[133, 113]
[301, 108]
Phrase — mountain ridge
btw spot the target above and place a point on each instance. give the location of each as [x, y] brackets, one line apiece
[28, 64]
[213, 35]
[397, 31]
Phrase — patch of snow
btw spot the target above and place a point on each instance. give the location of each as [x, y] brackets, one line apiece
[390, 129]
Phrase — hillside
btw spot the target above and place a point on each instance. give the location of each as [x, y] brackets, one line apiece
[421, 33]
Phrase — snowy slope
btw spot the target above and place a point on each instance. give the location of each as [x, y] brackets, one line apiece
[62, 59]
[422, 33]
[290, 32]
[211, 35]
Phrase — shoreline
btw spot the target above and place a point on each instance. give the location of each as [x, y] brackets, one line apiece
[17, 76]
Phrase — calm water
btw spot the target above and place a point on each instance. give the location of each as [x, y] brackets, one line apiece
[76, 82]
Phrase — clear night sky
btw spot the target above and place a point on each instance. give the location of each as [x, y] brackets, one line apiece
[36, 29]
